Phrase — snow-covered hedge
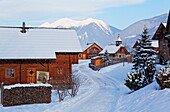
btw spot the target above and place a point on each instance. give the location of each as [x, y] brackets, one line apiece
[163, 77]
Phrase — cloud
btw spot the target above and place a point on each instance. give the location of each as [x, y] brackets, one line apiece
[38, 9]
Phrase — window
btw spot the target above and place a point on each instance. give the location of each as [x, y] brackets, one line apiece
[80, 55]
[60, 70]
[10, 72]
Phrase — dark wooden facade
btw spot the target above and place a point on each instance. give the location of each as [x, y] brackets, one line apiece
[91, 51]
[25, 70]
[162, 35]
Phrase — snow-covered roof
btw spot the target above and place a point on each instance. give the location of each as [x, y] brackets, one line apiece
[111, 49]
[119, 39]
[164, 23]
[37, 43]
[155, 43]
[87, 46]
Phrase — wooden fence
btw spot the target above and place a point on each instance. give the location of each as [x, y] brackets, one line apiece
[107, 63]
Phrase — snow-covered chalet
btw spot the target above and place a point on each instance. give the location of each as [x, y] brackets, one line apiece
[116, 50]
[33, 55]
[90, 50]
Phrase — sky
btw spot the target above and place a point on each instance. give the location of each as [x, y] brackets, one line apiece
[117, 13]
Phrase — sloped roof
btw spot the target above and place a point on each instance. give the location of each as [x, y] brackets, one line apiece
[89, 45]
[162, 26]
[165, 24]
[37, 43]
[111, 49]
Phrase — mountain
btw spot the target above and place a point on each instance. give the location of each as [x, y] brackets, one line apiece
[130, 34]
[89, 30]
[93, 30]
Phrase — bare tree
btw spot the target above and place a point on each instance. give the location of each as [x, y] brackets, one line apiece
[68, 85]
[75, 84]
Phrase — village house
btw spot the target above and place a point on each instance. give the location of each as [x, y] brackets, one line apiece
[90, 50]
[35, 55]
[163, 36]
[111, 54]
[116, 50]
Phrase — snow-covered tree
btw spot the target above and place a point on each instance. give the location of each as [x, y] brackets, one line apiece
[106, 56]
[136, 80]
[144, 64]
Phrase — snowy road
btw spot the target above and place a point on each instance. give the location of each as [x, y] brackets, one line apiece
[100, 91]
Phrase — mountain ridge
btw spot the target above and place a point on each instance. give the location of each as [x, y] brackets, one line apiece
[89, 30]
[96, 31]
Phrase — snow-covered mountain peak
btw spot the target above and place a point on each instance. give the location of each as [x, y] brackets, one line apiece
[89, 30]
[67, 23]
[100, 23]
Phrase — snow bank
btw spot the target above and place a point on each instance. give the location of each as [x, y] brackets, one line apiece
[27, 85]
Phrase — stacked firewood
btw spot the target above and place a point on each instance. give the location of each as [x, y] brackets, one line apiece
[26, 95]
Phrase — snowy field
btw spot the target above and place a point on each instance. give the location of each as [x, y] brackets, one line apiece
[103, 91]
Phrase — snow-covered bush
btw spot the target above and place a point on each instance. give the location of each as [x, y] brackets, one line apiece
[144, 64]
[136, 80]
[163, 77]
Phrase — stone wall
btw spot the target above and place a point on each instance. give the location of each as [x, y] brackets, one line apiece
[25, 95]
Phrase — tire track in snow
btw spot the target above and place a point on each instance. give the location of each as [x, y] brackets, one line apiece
[72, 103]
[99, 96]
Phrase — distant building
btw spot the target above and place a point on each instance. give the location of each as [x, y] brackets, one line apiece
[163, 36]
[91, 50]
[33, 55]
[116, 50]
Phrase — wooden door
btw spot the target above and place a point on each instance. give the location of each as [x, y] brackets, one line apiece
[31, 75]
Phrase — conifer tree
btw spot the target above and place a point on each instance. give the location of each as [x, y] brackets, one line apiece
[143, 69]
[106, 56]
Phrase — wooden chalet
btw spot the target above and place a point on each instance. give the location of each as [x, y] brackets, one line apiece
[115, 50]
[91, 50]
[163, 36]
[35, 55]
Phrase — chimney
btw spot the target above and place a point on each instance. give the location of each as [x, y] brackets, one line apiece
[23, 29]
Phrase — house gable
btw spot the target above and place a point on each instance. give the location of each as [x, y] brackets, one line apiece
[92, 50]
[122, 50]
[160, 32]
